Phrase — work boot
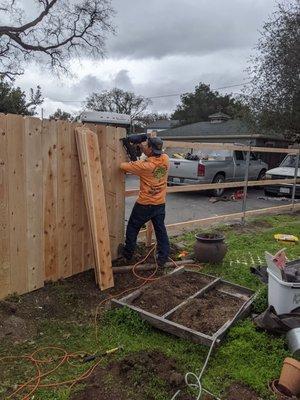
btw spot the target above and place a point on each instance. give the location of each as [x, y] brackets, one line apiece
[123, 256]
[161, 263]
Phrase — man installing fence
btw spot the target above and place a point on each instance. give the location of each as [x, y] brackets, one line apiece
[150, 205]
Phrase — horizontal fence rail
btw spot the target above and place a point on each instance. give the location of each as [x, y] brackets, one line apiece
[227, 146]
[226, 185]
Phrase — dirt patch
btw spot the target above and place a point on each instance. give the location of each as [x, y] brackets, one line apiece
[252, 226]
[74, 300]
[208, 313]
[160, 297]
[16, 329]
[238, 391]
[132, 379]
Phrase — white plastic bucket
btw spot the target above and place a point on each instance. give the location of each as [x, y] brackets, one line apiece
[283, 296]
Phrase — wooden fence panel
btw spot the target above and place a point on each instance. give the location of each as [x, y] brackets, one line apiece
[64, 203]
[112, 154]
[49, 152]
[5, 282]
[17, 203]
[34, 199]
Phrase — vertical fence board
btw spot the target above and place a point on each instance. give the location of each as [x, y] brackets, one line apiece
[49, 151]
[64, 211]
[34, 198]
[4, 213]
[119, 177]
[78, 209]
[17, 203]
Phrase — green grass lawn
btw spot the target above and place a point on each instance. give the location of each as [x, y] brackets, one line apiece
[246, 355]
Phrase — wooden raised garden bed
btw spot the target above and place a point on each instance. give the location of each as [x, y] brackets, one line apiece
[190, 305]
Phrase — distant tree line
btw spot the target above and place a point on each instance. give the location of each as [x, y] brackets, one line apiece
[270, 103]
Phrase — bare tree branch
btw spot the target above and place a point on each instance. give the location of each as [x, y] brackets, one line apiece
[62, 30]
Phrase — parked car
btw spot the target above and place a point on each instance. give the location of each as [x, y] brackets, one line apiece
[286, 170]
[215, 167]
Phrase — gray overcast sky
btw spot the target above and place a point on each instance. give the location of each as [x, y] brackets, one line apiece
[162, 47]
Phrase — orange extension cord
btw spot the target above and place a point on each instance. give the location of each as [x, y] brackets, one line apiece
[34, 383]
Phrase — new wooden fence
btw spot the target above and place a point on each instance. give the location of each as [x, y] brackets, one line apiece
[44, 231]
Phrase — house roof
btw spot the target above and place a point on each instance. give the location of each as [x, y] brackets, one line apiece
[232, 127]
[163, 124]
[219, 115]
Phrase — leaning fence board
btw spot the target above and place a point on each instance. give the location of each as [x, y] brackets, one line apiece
[91, 171]
[17, 203]
[210, 186]
[78, 208]
[5, 284]
[50, 188]
[226, 146]
[34, 199]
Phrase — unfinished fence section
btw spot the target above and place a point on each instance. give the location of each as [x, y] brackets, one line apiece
[194, 224]
[44, 233]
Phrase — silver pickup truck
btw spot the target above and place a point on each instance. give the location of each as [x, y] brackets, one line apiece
[216, 166]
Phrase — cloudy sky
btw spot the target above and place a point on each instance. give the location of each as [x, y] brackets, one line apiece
[163, 47]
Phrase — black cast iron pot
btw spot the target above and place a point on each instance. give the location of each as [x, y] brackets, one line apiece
[210, 248]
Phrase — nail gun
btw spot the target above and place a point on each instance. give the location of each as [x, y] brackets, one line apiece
[131, 144]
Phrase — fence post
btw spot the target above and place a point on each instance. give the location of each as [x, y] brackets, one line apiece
[246, 184]
[149, 232]
[295, 180]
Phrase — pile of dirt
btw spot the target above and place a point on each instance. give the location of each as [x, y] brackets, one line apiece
[238, 391]
[130, 378]
[16, 329]
[165, 294]
[208, 313]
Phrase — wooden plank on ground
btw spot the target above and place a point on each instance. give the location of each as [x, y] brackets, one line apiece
[5, 284]
[91, 172]
[78, 209]
[64, 209]
[225, 146]
[49, 151]
[34, 199]
[17, 203]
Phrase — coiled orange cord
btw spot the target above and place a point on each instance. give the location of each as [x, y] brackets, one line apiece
[34, 383]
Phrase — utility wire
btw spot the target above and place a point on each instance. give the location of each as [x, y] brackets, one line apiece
[157, 97]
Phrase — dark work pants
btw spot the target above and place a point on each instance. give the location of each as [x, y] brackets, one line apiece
[139, 216]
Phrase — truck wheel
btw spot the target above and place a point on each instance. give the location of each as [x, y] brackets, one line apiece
[261, 177]
[219, 178]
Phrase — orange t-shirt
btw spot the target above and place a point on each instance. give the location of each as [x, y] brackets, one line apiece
[153, 173]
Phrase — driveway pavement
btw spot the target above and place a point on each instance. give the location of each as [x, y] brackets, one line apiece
[187, 206]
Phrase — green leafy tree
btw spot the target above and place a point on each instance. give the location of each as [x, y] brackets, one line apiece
[197, 106]
[274, 93]
[119, 101]
[13, 100]
[148, 118]
[60, 114]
